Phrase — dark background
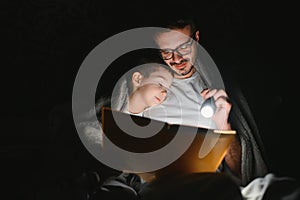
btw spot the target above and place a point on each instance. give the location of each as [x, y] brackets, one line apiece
[45, 42]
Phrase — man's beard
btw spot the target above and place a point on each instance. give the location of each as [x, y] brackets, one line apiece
[183, 72]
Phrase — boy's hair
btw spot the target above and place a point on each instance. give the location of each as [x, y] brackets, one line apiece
[150, 63]
[148, 68]
[145, 69]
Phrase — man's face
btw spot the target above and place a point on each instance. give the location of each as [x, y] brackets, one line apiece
[174, 42]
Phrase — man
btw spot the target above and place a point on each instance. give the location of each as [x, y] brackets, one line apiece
[194, 73]
[195, 80]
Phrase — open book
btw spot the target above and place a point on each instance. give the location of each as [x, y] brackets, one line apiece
[158, 149]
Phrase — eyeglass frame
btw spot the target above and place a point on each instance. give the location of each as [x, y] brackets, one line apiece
[189, 43]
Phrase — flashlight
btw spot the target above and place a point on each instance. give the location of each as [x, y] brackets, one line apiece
[208, 107]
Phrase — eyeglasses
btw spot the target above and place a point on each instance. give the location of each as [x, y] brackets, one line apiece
[182, 50]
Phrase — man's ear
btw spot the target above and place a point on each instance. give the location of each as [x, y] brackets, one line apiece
[197, 36]
[136, 79]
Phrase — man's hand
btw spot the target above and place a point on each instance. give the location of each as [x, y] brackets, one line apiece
[223, 107]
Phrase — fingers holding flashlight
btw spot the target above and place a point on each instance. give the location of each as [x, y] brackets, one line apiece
[217, 106]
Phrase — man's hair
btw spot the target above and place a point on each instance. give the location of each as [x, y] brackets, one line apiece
[177, 22]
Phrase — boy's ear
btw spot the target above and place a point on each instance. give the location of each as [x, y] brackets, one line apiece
[137, 79]
[197, 36]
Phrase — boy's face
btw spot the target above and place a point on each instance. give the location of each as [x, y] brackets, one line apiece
[178, 40]
[153, 89]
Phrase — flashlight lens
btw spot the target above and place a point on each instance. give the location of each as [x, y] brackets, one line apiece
[208, 107]
[207, 111]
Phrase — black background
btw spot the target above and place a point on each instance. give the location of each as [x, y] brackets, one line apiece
[45, 42]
